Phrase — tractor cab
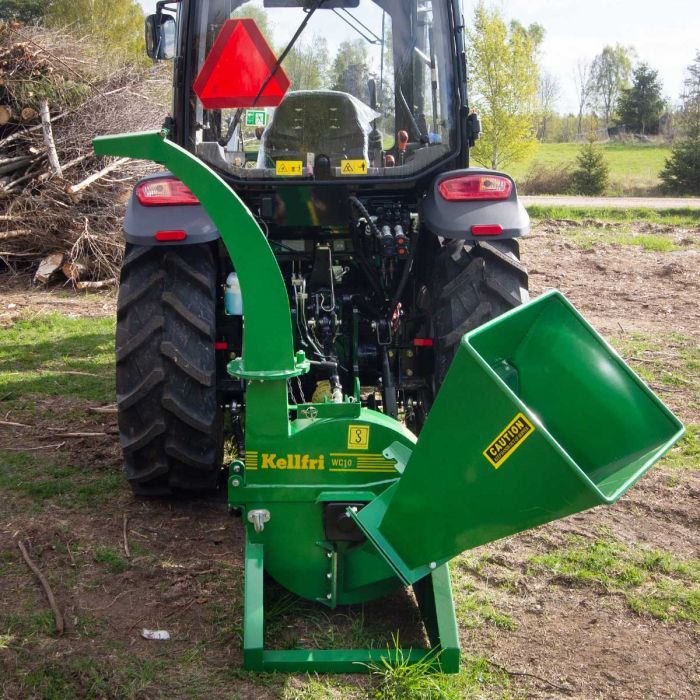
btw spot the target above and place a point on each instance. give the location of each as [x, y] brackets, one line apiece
[319, 89]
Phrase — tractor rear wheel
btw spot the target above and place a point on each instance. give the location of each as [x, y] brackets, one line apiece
[471, 284]
[170, 420]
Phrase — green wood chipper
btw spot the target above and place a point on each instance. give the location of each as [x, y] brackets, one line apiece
[321, 278]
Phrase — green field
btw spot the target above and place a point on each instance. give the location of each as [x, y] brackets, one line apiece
[634, 168]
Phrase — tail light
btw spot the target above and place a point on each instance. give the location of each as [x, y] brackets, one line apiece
[461, 188]
[164, 192]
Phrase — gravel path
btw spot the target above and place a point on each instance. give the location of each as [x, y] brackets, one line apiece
[615, 202]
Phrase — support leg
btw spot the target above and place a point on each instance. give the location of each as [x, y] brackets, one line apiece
[435, 602]
[434, 596]
[253, 608]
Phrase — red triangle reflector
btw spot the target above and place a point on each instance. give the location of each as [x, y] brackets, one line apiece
[237, 67]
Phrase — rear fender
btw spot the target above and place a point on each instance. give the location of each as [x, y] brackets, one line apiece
[142, 223]
[455, 219]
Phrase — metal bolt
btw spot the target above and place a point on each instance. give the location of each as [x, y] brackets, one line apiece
[329, 596]
[409, 372]
[236, 468]
[329, 555]
[329, 575]
[432, 565]
[235, 482]
[409, 353]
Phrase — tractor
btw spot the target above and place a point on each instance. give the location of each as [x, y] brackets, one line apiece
[321, 287]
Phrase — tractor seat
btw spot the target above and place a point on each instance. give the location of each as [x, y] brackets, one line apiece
[320, 122]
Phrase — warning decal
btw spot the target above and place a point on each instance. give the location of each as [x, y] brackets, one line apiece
[512, 436]
[288, 167]
[353, 167]
[358, 437]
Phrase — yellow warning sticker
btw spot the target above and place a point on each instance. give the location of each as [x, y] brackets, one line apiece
[353, 167]
[510, 438]
[288, 167]
[358, 437]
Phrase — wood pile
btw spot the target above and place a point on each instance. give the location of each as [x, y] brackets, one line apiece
[60, 205]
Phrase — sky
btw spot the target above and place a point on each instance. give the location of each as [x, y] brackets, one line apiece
[665, 34]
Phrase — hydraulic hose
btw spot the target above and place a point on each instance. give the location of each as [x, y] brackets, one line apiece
[361, 257]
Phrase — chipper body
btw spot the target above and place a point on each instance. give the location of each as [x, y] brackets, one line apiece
[321, 277]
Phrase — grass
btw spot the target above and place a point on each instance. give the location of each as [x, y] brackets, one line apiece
[111, 559]
[587, 238]
[402, 680]
[634, 168]
[46, 482]
[686, 455]
[590, 226]
[684, 217]
[668, 359]
[60, 356]
[652, 582]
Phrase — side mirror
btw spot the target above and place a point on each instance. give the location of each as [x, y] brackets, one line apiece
[160, 37]
[372, 89]
[473, 128]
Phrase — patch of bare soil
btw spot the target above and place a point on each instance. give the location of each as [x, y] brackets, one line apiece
[619, 287]
[581, 637]
[18, 299]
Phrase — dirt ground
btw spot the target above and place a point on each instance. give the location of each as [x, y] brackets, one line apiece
[556, 634]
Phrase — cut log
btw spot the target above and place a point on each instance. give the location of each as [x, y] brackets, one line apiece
[48, 267]
[28, 114]
[73, 271]
[54, 164]
[5, 114]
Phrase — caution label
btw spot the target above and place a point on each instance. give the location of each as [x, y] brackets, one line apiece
[512, 436]
[288, 167]
[358, 437]
[353, 167]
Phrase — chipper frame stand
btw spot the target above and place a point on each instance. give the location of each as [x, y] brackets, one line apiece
[538, 418]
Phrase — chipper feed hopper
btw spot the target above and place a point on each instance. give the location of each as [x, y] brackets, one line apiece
[536, 419]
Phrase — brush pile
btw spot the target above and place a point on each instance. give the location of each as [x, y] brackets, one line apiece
[60, 205]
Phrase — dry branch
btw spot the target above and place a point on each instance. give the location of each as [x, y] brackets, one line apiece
[13, 424]
[54, 163]
[74, 189]
[125, 524]
[58, 616]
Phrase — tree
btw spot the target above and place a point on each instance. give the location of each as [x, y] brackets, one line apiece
[117, 25]
[610, 73]
[350, 69]
[583, 80]
[681, 173]
[261, 18]
[27, 11]
[306, 64]
[592, 171]
[640, 107]
[504, 77]
[547, 95]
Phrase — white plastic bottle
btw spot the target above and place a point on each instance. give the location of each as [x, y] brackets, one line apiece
[233, 300]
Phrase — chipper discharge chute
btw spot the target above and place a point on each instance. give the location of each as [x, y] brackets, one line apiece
[321, 276]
